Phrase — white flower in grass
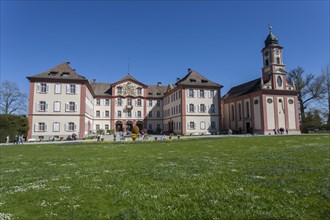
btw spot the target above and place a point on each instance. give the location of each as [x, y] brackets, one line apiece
[234, 170]
[2, 203]
[259, 177]
[6, 216]
[154, 196]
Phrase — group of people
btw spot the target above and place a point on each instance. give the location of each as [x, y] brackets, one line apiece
[18, 139]
[280, 131]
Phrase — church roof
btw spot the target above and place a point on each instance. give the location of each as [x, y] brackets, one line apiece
[193, 78]
[271, 38]
[243, 89]
[62, 71]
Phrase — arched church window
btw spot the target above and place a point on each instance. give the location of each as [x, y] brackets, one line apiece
[279, 81]
[277, 60]
[266, 62]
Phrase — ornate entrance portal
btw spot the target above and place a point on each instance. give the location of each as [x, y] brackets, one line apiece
[119, 126]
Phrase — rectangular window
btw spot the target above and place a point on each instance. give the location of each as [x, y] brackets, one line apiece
[119, 90]
[212, 109]
[129, 114]
[150, 126]
[191, 93]
[211, 93]
[202, 108]
[107, 102]
[150, 114]
[201, 93]
[158, 114]
[119, 114]
[139, 103]
[213, 125]
[139, 91]
[98, 102]
[129, 101]
[239, 112]
[150, 102]
[192, 125]
[41, 126]
[98, 114]
[191, 108]
[56, 126]
[72, 106]
[43, 88]
[202, 125]
[73, 89]
[119, 102]
[58, 88]
[97, 127]
[42, 106]
[107, 114]
[158, 103]
[57, 106]
[139, 114]
[106, 127]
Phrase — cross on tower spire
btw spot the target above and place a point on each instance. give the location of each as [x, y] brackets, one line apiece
[270, 28]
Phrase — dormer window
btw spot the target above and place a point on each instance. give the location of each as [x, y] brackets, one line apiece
[149, 93]
[52, 73]
[158, 93]
[192, 80]
[204, 80]
[65, 74]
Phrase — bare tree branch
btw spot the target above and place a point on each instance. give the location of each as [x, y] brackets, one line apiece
[12, 101]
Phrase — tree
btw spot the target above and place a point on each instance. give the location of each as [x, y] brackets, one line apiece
[11, 125]
[326, 75]
[12, 101]
[309, 88]
[313, 120]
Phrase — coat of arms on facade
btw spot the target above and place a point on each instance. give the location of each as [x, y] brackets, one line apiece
[129, 89]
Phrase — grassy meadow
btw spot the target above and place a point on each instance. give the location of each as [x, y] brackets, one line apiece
[266, 177]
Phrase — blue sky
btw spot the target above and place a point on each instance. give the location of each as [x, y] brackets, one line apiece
[221, 40]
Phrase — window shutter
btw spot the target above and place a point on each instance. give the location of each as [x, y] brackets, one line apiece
[103, 114]
[38, 87]
[77, 89]
[187, 108]
[66, 126]
[45, 127]
[198, 93]
[75, 126]
[198, 108]
[66, 107]
[135, 115]
[37, 106]
[75, 107]
[47, 88]
[36, 127]
[67, 88]
[46, 106]
[187, 93]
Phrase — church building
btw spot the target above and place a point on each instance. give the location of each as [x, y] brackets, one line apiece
[266, 104]
[62, 102]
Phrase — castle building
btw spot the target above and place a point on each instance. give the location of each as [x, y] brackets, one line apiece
[62, 102]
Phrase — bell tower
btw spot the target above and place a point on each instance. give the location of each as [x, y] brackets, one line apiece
[273, 68]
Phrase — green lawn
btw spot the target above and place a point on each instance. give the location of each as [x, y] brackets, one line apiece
[271, 177]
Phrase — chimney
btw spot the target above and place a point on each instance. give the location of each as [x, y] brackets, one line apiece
[189, 70]
[177, 79]
[68, 63]
[159, 83]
